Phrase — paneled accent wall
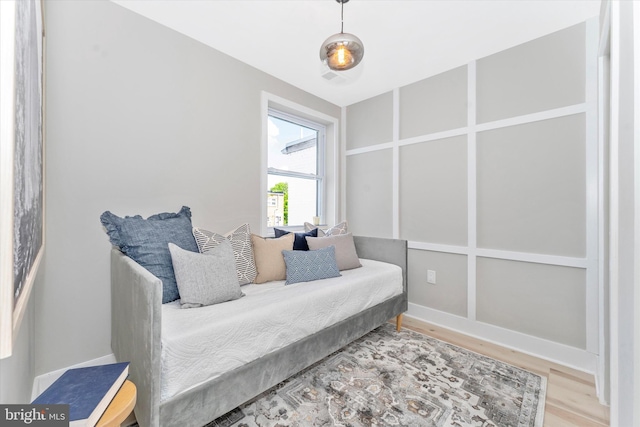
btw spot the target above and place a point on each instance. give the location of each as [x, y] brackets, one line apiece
[370, 196]
[490, 172]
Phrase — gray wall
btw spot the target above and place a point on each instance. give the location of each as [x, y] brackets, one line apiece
[140, 120]
[17, 371]
[371, 122]
[370, 194]
[482, 198]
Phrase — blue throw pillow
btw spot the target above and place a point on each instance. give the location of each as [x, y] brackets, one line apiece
[146, 241]
[300, 243]
[306, 266]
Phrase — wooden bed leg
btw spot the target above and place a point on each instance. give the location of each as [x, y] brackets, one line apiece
[399, 322]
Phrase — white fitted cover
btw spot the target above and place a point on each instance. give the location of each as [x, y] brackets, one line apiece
[202, 343]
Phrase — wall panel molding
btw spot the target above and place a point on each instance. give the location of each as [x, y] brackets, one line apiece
[512, 121]
[472, 191]
[396, 164]
[560, 261]
[583, 359]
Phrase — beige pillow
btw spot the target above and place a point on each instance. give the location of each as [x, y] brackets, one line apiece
[346, 255]
[268, 256]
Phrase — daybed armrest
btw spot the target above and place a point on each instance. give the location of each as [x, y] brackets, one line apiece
[136, 300]
[393, 251]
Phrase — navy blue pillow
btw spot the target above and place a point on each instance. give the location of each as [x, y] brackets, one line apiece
[146, 241]
[299, 243]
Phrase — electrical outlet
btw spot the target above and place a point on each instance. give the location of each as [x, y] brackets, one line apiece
[431, 277]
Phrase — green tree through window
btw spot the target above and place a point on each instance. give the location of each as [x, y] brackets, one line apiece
[283, 187]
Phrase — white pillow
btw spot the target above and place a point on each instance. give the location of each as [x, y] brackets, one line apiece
[336, 230]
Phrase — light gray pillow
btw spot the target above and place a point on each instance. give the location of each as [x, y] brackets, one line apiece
[205, 279]
[346, 255]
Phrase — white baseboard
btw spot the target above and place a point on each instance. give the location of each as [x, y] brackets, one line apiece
[572, 357]
[41, 382]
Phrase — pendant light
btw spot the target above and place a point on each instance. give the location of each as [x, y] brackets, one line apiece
[342, 51]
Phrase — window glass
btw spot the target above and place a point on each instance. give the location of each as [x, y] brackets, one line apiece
[292, 147]
[295, 170]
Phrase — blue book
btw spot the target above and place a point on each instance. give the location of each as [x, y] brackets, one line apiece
[88, 391]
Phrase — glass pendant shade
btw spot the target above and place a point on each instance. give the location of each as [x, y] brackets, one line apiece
[342, 51]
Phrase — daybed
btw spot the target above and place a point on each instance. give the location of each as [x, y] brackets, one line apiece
[140, 336]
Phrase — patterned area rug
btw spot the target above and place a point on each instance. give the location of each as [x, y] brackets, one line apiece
[389, 378]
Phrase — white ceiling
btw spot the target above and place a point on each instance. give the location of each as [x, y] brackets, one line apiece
[405, 41]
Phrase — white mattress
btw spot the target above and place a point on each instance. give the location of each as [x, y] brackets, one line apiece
[199, 344]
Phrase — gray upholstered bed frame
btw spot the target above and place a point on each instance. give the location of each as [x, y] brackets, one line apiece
[136, 300]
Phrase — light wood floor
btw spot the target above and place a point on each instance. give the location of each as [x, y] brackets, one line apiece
[571, 394]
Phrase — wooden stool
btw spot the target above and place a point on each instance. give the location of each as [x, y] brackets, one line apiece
[120, 407]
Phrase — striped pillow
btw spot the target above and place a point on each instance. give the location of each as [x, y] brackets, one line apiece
[240, 239]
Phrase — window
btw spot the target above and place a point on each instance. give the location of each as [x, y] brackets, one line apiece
[295, 169]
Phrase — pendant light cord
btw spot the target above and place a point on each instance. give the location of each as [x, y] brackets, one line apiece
[342, 17]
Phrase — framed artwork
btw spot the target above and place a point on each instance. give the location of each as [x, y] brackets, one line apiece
[21, 160]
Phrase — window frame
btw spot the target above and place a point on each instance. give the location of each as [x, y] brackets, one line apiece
[328, 209]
